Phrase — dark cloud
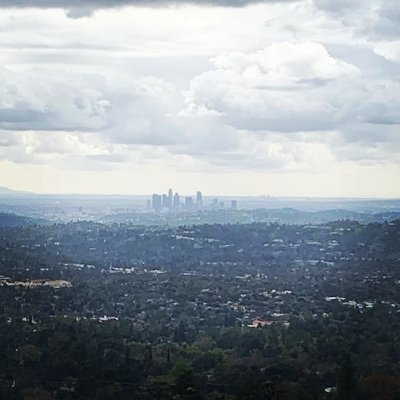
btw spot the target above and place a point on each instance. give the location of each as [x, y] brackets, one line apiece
[94, 4]
[387, 25]
[85, 8]
[372, 18]
[10, 116]
[337, 6]
[15, 119]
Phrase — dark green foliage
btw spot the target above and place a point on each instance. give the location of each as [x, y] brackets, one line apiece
[164, 313]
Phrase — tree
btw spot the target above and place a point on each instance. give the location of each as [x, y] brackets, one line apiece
[380, 386]
[347, 383]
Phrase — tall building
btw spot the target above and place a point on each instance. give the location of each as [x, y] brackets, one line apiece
[199, 200]
[148, 205]
[156, 203]
[170, 197]
[176, 201]
[234, 204]
[165, 201]
[189, 203]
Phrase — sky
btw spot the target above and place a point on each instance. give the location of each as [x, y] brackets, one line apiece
[273, 97]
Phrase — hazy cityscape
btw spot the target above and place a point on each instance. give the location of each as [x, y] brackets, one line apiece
[168, 296]
[174, 202]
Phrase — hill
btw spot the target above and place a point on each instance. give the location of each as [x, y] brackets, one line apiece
[12, 220]
[4, 191]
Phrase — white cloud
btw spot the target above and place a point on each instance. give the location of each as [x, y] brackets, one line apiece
[51, 100]
[389, 50]
[285, 86]
[283, 64]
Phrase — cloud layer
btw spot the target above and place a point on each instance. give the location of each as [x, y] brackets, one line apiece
[168, 88]
[122, 3]
[85, 8]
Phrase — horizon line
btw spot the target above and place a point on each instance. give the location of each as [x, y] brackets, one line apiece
[21, 192]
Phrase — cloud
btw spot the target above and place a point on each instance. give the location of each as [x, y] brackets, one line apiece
[138, 111]
[369, 18]
[85, 8]
[283, 87]
[74, 118]
[367, 153]
[306, 88]
[284, 64]
[77, 119]
[339, 6]
[144, 112]
[8, 139]
[121, 3]
[283, 93]
[389, 49]
[61, 149]
[270, 109]
[388, 22]
[37, 99]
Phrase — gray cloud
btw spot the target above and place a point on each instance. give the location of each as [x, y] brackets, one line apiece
[337, 6]
[388, 22]
[370, 18]
[97, 4]
[85, 8]
[8, 139]
[261, 105]
[11, 116]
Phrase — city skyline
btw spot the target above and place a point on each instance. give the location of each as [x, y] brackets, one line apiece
[176, 202]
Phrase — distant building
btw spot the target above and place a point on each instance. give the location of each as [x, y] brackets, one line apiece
[57, 284]
[170, 198]
[4, 280]
[234, 205]
[189, 203]
[148, 205]
[165, 201]
[199, 200]
[156, 203]
[177, 201]
[260, 323]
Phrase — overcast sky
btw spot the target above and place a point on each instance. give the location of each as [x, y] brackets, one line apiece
[296, 98]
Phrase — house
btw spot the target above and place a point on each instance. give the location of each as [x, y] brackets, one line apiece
[260, 322]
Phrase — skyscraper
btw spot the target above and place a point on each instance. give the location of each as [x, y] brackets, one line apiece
[189, 203]
[156, 203]
[170, 197]
[176, 201]
[165, 201]
[234, 204]
[199, 200]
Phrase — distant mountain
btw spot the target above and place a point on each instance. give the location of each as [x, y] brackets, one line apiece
[10, 192]
[262, 215]
[12, 220]
[293, 216]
